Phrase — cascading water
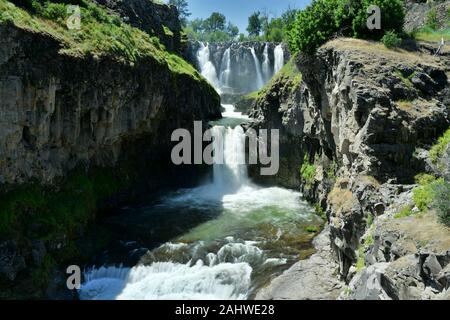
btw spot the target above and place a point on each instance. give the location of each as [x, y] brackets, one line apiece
[278, 58]
[266, 64]
[259, 78]
[207, 68]
[225, 68]
[248, 234]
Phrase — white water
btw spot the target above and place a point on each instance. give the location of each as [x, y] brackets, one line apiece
[279, 58]
[266, 64]
[207, 68]
[225, 68]
[224, 253]
[259, 78]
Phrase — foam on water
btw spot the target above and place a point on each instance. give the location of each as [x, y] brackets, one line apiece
[223, 252]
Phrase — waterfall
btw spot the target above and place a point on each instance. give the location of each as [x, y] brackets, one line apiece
[266, 63]
[207, 68]
[279, 58]
[259, 78]
[225, 69]
[230, 171]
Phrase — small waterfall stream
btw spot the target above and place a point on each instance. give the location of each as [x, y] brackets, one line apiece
[251, 232]
[259, 77]
[266, 64]
[279, 58]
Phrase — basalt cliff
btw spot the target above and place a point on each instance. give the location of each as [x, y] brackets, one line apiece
[83, 131]
[356, 122]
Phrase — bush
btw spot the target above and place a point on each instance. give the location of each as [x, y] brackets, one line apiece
[441, 202]
[324, 19]
[391, 40]
[307, 172]
[438, 149]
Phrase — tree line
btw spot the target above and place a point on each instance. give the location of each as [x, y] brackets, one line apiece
[262, 26]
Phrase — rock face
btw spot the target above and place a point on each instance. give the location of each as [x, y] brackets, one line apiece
[356, 120]
[66, 114]
[417, 12]
[311, 279]
[154, 18]
[60, 111]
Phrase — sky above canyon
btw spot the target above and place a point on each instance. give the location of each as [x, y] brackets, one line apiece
[238, 11]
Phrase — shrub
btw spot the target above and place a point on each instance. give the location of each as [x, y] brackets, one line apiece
[438, 149]
[404, 212]
[441, 202]
[391, 40]
[307, 171]
[424, 179]
[324, 19]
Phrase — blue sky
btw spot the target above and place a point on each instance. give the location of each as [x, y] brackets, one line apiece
[238, 11]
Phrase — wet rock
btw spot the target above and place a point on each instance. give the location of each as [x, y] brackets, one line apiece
[38, 252]
[11, 262]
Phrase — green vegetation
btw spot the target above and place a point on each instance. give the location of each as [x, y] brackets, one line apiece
[312, 229]
[368, 241]
[213, 29]
[438, 149]
[307, 172]
[320, 212]
[391, 40]
[57, 210]
[183, 10]
[406, 80]
[102, 34]
[369, 220]
[441, 202]
[432, 19]
[406, 211]
[428, 34]
[324, 19]
[261, 27]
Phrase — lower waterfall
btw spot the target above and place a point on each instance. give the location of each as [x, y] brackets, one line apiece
[254, 234]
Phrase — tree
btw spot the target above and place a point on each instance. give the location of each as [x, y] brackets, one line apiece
[183, 11]
[254, 24]
[232, 30]
[324, 19]
[197, 25]
[215, 22]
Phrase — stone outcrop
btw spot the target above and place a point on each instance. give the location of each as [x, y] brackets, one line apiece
[357, 119]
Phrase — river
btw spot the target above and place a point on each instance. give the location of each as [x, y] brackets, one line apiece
[237, 235]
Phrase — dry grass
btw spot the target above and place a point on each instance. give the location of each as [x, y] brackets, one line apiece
[378, 49]
[342, 200]
[424, 231]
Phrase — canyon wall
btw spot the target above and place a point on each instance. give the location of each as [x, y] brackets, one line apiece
[80, 134]
[351, 136]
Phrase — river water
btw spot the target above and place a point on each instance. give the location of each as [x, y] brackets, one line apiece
[254, 234]
[235, 236]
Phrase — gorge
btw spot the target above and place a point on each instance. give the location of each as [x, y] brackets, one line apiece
[358, 209]
[251, 233]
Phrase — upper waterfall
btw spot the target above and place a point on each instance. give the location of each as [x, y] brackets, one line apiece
[236, 68]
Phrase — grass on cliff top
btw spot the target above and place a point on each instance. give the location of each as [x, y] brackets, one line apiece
[374, 48]
[101, 33]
